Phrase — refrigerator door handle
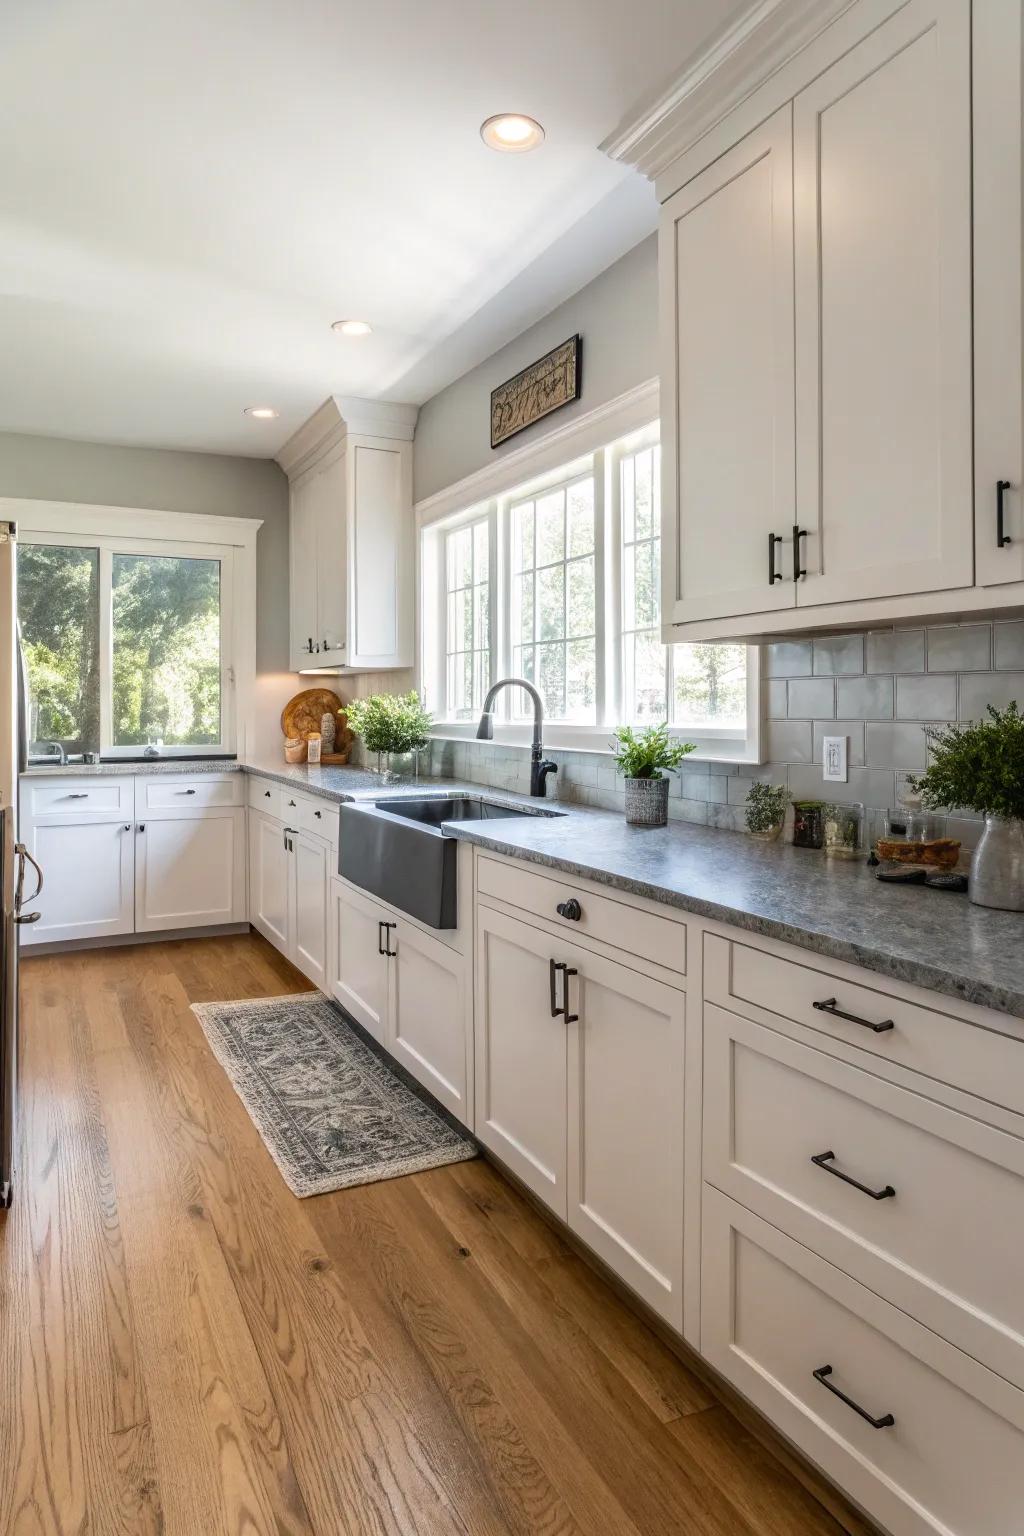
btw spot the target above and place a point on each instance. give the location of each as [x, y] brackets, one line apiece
[24, 857]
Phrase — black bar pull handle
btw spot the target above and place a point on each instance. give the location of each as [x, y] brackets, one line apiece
[829, 1007]
[825, 1159]
[823, 1372]
[1002, 486]
[380, 938]
[563, 1008]
[389, 952]
[773, 574]
[798, 569]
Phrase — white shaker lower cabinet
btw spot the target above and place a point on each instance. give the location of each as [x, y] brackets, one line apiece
[580, 1092]
[88, 879]
[309, 872]
[189, 869]
[268, 880]
[429, 1030]
[521, 1055]
[408, 990]
[925, 1438]
[359, 967]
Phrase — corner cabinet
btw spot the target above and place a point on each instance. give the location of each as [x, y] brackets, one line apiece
[352, 538]
[825, 460]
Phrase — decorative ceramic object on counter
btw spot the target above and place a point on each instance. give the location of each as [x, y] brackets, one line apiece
[766, 810]
[294, 749]
[327, 731]
[640, 757]
[808, 823]
[844, 830]
[980, 767]
[314, 741]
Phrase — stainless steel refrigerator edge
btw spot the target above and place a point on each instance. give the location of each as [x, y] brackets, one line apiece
[13, 857]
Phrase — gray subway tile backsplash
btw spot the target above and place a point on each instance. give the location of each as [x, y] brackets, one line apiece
[960, 648]
[932, 697]
[882, 708]
[812, 698]
[864, 698]
[894, 650]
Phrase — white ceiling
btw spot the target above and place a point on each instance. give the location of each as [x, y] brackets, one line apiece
[190, 192]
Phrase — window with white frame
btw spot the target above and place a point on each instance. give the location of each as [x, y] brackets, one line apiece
[467, 617]
[567, 577]
[127, 644]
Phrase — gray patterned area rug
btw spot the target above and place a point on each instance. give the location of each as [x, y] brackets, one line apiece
[331, 1112]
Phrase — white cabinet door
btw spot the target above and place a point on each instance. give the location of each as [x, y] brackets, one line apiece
[189, 869]
[331, 563]
[309, 865]
[429, 1025]
[726, 257]
[381, 554]
[302, 571]
[520, 1051]
[88, 879]
[998, 65]
[625, 1117]
[268, 880]
[882, 181]
[359, 978]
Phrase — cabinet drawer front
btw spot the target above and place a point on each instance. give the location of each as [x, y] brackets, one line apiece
[174, 793]
[943, 1245]
[922, 1039]
[103, 798]
[632, 929]
[265, 796]
[317, 816]
[773, 1314]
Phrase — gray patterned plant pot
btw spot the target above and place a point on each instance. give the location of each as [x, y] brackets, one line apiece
[647, 802]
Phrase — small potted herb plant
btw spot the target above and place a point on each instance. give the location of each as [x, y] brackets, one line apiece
[395, 727]
[640, 757]
[766, 810]
[981, 767]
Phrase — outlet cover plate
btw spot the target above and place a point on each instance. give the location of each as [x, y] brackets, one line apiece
[835, 757]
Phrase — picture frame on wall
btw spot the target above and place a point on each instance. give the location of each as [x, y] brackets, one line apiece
[552, 381]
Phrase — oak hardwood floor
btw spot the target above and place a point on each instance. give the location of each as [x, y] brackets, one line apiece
[188, 1350]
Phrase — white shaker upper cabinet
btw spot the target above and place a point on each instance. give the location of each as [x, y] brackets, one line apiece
[726, 253]
[302, 572]
[882, 204]
[998, 318]
[381, 555]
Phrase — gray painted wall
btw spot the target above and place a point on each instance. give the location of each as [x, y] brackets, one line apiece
[617, 317]
[58, 469]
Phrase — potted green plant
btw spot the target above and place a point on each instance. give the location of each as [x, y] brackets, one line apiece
[766, 810]
[980, 767]
[393, 726]
[640, 757]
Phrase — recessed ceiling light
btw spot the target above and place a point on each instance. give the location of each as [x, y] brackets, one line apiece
[261, 412]
[511, 132]
[352, 327]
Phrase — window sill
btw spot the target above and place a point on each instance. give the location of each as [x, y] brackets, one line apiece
[720, 747]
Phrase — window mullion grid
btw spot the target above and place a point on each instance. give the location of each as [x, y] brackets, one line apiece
[106, 597]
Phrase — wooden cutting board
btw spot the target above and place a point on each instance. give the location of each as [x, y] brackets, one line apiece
[301, 715]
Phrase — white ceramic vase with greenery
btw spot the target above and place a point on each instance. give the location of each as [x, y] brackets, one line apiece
[980, 767]
[766, 810]
[641, 757]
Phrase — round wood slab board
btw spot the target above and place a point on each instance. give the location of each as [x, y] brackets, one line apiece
[301, 715]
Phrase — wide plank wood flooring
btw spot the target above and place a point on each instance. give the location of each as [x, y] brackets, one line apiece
[188, 1350]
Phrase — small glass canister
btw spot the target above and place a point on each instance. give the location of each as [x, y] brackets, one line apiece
[808, 823]
[844, 831]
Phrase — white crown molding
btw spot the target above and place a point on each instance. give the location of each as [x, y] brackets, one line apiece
[339, 417]
[717, 79]
[586, 432]
[90, 520]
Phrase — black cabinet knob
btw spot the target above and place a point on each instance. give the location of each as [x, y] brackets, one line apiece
[570, 909]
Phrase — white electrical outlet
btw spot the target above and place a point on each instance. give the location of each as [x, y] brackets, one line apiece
[835, 752]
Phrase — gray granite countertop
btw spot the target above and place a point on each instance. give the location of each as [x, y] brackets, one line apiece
[119, 770]
[930, 938]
